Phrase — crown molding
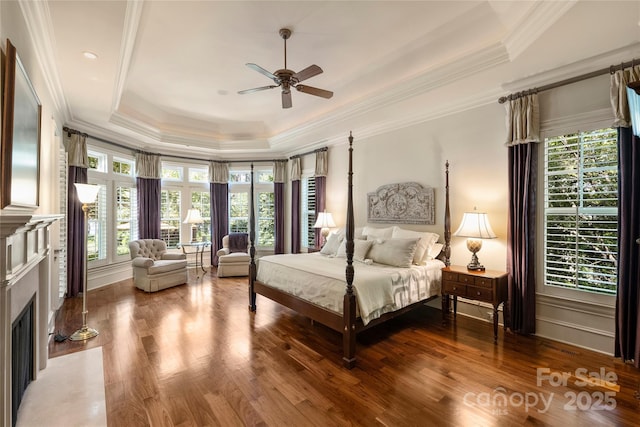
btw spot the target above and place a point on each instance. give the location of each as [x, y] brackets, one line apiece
[541, 16]
[39, 26]
[132, 16]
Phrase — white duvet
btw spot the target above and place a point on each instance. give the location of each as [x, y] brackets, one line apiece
[321, 280]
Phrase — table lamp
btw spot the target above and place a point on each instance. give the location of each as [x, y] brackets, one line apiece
[324, 222]
[193, 217]
[475, 226]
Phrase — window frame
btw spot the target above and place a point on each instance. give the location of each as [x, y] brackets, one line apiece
[596, 120]
[258, 187]
[106, 177]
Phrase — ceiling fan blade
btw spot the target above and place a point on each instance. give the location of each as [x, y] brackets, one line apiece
[307, 73]
[315, 91]
[286, 99]
[256, 89]
[262, 71]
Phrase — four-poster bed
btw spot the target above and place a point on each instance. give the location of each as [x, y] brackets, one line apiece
[347, 319]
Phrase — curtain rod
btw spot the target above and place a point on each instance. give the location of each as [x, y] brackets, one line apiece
[135, 150]
[612, 69]
[317, 150]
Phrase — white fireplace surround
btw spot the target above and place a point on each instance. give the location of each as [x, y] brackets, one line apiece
[25, 256]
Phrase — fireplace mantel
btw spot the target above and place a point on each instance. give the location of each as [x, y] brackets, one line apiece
[25, 258]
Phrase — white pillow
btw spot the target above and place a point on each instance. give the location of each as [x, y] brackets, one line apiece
[424, 244]
[331, 245]
[384, 233]
[435, 250]
[357, 233]
[360, 249]
[395, 252]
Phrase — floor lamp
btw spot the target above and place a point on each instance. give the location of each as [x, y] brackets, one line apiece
[87, 195]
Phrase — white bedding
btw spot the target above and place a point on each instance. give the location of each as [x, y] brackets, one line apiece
[321, 280]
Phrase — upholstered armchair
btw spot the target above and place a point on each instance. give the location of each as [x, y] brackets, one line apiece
[154, 268]
[233, 258]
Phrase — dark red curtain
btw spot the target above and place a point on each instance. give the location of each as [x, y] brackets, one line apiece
[149, 190]
[75, 232]
[219, 193]
[520, 310]
[321, 189]
[627, 336]
[278, 190]
[295, 216]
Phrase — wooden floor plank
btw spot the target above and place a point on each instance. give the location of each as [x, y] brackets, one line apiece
[194, 355]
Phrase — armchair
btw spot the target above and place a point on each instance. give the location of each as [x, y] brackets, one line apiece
[234, 261]
[154, 268]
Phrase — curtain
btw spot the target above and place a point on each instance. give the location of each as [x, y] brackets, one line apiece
[280, 175]
[76, 146]
[148, 188]
[219, 196]
[523, 134]
[321, 188]
[296, 174]
[627, 335]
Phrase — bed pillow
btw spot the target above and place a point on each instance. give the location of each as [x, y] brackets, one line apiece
[435, 251]
[384, 233]
[425, 242]
[360, 249]
[357, 233]
[394, 252]
[332, 245]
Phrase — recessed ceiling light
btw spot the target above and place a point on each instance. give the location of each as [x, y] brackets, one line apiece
[89, 55]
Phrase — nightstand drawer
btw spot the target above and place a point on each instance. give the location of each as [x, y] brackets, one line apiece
[446, 275]
[483, 294]
[483, 281]
[453, 288]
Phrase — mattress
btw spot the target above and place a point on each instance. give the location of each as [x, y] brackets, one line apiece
[321, 280]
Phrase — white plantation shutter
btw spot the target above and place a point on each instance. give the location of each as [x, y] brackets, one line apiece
[581, 208]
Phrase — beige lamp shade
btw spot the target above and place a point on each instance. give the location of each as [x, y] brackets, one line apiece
[87, 193]
[193, 217]
[325, 220]
[475, 226]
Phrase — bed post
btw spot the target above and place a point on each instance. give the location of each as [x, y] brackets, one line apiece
[447, 220]
[252, 248]
[349, 304]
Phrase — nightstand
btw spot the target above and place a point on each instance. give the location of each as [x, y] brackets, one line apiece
[486, 286]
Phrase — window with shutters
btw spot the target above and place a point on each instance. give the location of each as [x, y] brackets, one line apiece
[581, 211]
[308, 214]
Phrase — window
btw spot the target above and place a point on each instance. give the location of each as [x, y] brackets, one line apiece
[97, 227]
[171, 172]
[580, 216]
[239, 212]
[170, 217]
[198, 175]
[239, 196]
[201, 200]
[126, 208]
[97, 161]
[308, 214]
[266, 218]
[122, 166]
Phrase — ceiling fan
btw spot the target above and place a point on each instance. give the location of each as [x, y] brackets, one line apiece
[288, 79]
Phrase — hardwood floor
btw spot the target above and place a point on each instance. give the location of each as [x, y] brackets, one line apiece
[195, 356]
